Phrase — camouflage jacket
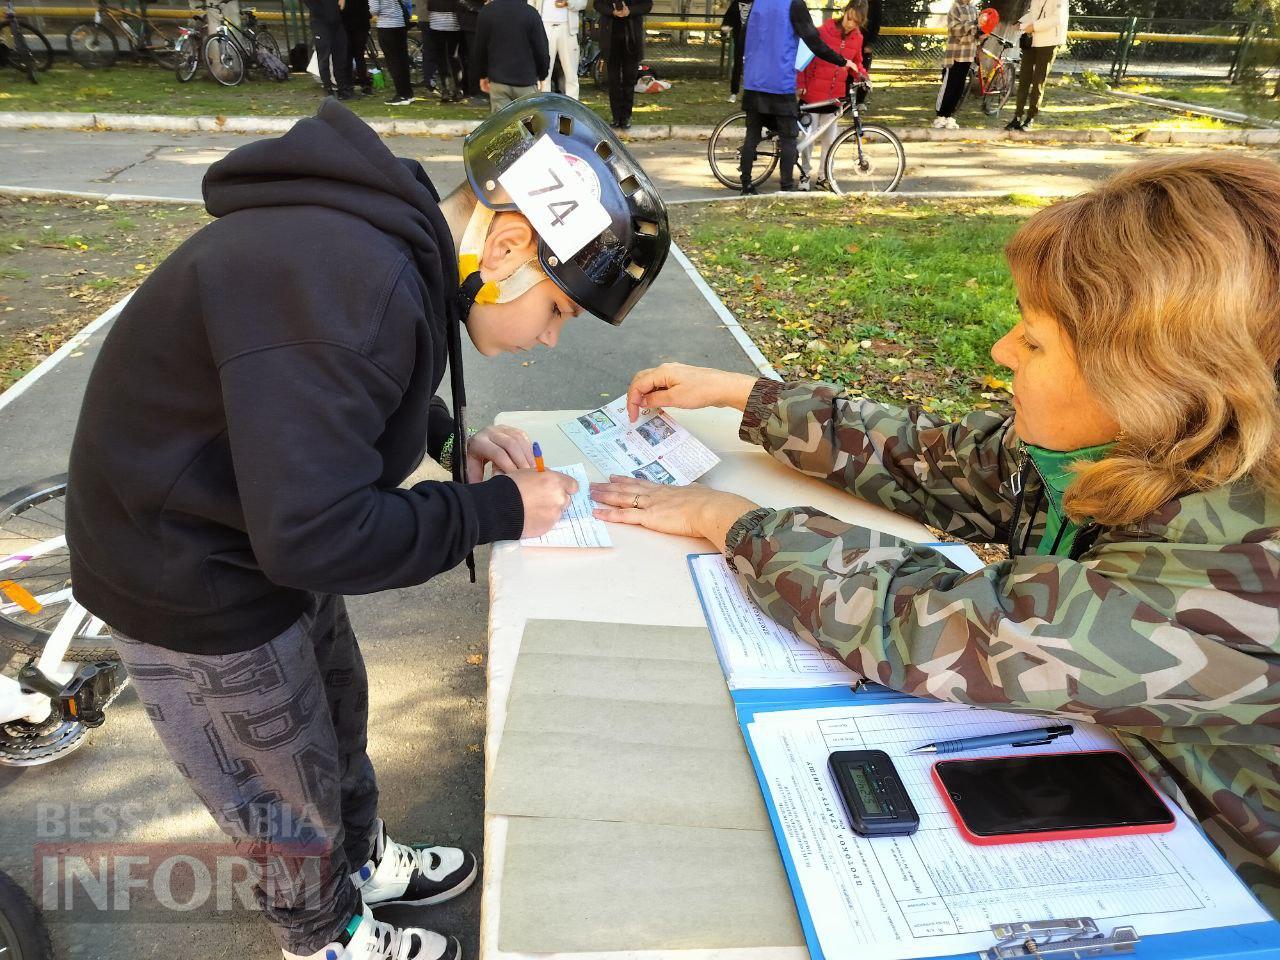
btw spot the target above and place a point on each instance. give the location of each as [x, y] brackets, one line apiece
[1167, 632]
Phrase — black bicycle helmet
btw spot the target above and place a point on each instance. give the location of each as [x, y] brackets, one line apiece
[611, 272]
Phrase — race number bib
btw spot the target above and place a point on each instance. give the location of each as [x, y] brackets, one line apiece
[561, 199]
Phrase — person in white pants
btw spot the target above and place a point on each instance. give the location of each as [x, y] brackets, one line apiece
[560, 20]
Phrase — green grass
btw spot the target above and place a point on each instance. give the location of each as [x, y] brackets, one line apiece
[899, 299]
[900, 99]
[1252, 99]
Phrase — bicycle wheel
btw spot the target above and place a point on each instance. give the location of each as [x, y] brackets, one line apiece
[269, 43]
[188, 60]
[872, 163]
[724, 152]
[415, 60]
[997, 95]
[23, 936]
[92, 45]
[35, 575]
[39, 50]
[224, 60]
[15, 53]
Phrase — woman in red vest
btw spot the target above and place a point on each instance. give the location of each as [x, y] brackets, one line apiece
[821, 81]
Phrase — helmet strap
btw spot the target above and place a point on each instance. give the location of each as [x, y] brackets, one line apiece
[474, 288]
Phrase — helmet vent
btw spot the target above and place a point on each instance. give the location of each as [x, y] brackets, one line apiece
[566, 125]
[629, 185]
[646, 228]
[604, 151]
[634, 270]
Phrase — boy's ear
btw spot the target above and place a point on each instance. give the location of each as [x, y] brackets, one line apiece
[511, 242]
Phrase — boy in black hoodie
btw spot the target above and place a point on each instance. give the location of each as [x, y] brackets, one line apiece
[245, 430]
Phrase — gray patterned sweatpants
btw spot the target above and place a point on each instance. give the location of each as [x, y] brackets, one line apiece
[273, 742]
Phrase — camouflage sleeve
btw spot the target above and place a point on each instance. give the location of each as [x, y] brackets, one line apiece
[1040, 634]
[948, 475]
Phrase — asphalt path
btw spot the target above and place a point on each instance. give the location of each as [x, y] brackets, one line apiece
[424, 646]
[170, 165]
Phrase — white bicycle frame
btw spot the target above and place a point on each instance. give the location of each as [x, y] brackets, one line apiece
[36, 707]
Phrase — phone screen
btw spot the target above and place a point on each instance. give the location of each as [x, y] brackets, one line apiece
[1051, 792]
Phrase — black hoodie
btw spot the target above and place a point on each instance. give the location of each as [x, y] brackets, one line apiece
[264, 392]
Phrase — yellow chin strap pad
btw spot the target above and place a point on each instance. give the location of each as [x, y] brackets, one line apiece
[469, 263]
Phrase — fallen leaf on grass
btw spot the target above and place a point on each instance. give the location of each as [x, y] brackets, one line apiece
[852, 248]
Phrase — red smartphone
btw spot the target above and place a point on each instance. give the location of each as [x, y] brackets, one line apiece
[1050, 796]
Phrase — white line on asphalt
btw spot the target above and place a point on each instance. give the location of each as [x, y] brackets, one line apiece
[64, 351]
[726, 316]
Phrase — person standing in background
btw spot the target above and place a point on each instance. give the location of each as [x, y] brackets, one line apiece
[560, 20]
[393, 37]
[1044, 29]
[446, 39]
[774, 33]
[962, 48]
[512, 59]
[870, 33]
[824, 83]
[622, 43]
[734, 24]
[355, 21]
[329, 37]
[468, 14]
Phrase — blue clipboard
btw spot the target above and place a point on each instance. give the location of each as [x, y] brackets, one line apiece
[1255, 941]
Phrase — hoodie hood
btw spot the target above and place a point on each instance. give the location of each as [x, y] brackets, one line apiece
[336, 160]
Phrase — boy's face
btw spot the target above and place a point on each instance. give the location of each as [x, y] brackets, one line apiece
[536, 317]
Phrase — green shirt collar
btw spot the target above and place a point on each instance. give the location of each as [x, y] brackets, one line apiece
[1054, 468]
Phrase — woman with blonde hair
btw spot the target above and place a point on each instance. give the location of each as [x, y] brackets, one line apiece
[1137, 486]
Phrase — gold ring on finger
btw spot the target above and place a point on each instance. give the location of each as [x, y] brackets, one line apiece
[635, 502]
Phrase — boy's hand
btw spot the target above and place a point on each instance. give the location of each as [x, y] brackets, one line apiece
[507, 448]
[545, 495]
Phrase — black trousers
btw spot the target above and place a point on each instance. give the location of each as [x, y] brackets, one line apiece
[358, 48]
[445, 44]
[395, 50]
[470, 82]
[735, 75]
[861, 95]
[331, 45]
[953, 80]
[622, 68]
[1033, 73]
[787, 128]
[428, 55]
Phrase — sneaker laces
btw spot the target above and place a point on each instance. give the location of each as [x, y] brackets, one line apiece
[406, 858]
[394, 943]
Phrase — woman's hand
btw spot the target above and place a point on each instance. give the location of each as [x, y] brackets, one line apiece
[507, 448]
[692, 511]
[689, 388]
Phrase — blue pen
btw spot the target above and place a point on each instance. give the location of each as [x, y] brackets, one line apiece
[1014, 738]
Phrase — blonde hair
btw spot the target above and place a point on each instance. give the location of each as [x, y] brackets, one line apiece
[860, 8]
[1166, 279]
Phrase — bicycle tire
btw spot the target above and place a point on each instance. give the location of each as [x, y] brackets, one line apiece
[188, 62]
[859, 175]
[416, 60]
[264, 39]
[25, 637]
[92, 45]
[723, 157]
[16, 53]
[994, 99]
[38, 47]
[23, 935]
[224, 61]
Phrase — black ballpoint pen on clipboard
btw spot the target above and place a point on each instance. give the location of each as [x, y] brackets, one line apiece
[1037, 737]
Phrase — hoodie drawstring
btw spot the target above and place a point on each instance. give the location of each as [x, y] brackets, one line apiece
[458, 394]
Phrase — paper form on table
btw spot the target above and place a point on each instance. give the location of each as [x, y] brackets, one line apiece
[576, 526]
[655, 447]
[935, 894]
[756, 652]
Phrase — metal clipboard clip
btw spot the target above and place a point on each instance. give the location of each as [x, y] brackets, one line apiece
[1069, 939]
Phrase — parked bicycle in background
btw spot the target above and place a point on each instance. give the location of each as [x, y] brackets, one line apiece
[96, 43]
[22, 46]
[230, 50]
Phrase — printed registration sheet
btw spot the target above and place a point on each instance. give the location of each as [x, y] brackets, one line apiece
[577, 527]
[757, 653]
[935, 894]
[655, 447]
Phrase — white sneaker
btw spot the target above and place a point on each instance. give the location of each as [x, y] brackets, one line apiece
[939, 123]
[733, 98]
[804, 184]
[951, 124]
[371, 939]
[413, 876]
